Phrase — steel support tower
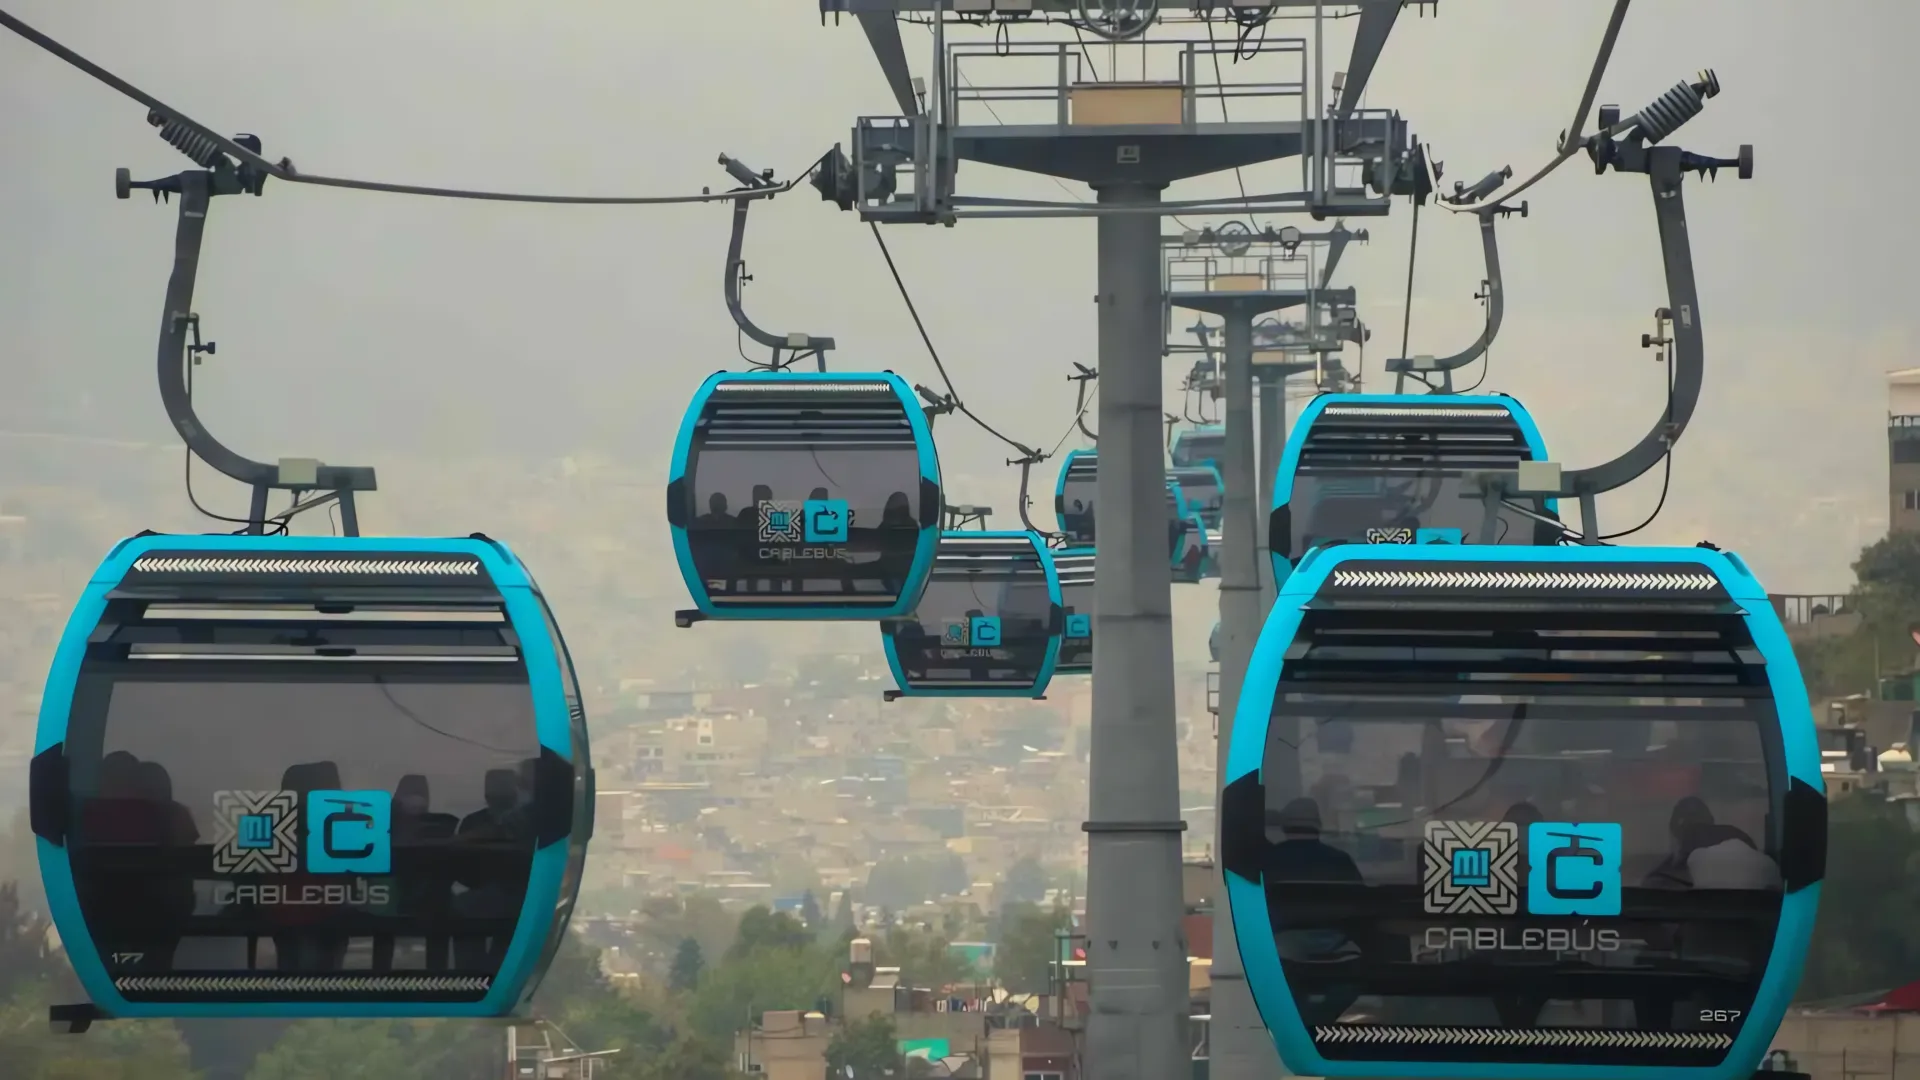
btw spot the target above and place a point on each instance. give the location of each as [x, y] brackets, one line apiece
[1127, 141]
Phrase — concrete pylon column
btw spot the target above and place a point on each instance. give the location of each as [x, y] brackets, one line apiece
[1136, 948]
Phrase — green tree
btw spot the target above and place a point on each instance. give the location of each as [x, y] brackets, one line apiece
[575, 972]
[810, 911]
[687, 1058]
[338, 1050]
[1027, 947]
[843, 914]
[1866, 938]
[687, 965]
[24, 954]
[669, 920]
[1026, 882]
[739, 990]
[121, 1050]
[865, 1049]
[761, 929]
[923, 958]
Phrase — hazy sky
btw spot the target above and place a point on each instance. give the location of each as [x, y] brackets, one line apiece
[351, 324]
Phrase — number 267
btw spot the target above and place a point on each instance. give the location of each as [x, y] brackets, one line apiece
[1719, 1016]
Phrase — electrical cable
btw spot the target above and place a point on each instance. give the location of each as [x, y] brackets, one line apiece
[953, 394]
[1486, 362]
[1220, 83]
[1413, 252]
[1666, 472]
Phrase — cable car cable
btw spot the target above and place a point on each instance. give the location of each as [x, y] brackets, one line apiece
[197, 140]
[959, 405]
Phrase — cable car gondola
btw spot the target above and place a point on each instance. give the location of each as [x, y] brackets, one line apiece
[1074, 494]
[1074, 567]
[311, 776]
[804, 495]
[1516, 812]
[1194, 558]
[988, 625]
[1397, 468]
[1203, 490]
[1200, 445]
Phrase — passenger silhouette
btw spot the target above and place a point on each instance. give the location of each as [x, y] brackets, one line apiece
[898, 513]
[495, 875]
[1304, 858]
[1689, 814]
[424, 886]
[750, 514]
[717, 515]
[818, 493]
[300, 944]
[115, 813]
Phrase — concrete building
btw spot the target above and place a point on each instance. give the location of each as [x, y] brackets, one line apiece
[1903, 450]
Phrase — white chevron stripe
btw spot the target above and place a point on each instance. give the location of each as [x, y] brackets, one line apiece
[1424, 412]
[231, 984]
[1521, 579]
[460, 566]
[1545, 1037]
[752, 386]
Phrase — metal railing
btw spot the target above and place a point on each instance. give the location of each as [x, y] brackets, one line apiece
[1060, 68]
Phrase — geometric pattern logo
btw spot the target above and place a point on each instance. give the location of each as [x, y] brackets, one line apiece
[1470, 867]
[1398, 534]
[781, 522]
[1573, 868]
[253, 832]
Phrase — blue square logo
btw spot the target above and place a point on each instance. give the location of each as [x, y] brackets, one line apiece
[825, 520]
[254, 832]
[349, 832]
[1079, 626]
[985, 631]
[1472, 867]
[1573, 868]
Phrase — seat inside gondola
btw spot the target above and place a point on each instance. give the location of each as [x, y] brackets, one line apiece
[308, 763]
[989, 623]
[800, 495]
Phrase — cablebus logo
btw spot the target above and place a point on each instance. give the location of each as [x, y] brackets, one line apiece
[973, 635]
[1471, 868]
[258, 833]
[808, 529]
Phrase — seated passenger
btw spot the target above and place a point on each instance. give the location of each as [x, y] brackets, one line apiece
[1304, 858]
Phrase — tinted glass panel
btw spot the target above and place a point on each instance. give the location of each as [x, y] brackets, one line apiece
[1076, 500]
[1194, 449]
[755, 540]
[1520, 861]
[1344, 504]
[936, 646]
[1203, 494]
[202, 846]
[1075, 567]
